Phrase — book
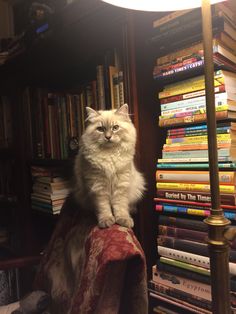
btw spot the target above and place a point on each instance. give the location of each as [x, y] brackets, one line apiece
[46, 206]
[121, 88]
[195, 48]
[192, 32]
[181, 233]
[196, 118]
[195, 259]
[171, 20]
[101, 87]
[193, 187]
[183, 223]
[50, 179]
[49, 196]
[221, 77]
[191, 160]
[193, 301]
[191, 197]
[226, 165]
[185, 266]
[49, 191]
[195, 103]
[188, 274]
[223, 135]
[187, 285]
[198, 176]
[174, 301]
[203, 153]
[169, 17]
[51, 185]
[189, 246]
[164, 208]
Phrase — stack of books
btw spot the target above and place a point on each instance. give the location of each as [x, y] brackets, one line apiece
[179, 42]
[184, 102]
[49, 194]
[181, 276]
[183, 270]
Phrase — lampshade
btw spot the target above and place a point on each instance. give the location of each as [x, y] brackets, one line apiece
[158, 5]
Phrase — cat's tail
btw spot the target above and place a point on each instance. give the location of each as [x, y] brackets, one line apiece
[137, 188]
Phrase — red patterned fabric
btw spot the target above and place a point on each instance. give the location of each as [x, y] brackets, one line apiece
[89, 270]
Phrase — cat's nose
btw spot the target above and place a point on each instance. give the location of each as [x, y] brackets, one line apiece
[108, 137]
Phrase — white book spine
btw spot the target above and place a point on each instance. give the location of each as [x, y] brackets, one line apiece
[191, 258]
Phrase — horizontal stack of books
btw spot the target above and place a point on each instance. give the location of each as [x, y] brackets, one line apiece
[184, 102]
[49, 194]
[182, 271]
[181, 276]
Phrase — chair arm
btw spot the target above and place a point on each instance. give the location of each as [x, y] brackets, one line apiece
[19, 262]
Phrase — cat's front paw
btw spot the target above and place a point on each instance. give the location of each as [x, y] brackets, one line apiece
[125, 221]
[106, 222]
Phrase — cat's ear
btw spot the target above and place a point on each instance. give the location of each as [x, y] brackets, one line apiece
[91, 113]
[123, 110]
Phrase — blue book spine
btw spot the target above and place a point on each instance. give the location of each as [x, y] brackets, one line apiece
[194, 165]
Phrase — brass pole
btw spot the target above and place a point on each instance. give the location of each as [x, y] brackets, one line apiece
[218, 245]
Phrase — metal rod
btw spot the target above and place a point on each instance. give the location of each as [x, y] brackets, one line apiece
[218, 245]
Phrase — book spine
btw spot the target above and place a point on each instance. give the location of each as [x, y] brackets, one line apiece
[222, 152]
[178, 271]
[220, 115]
[101, 87]
[220, 99]
[169, 17]
[116, 92]
[190, 95]
[191, 211]
[185, 68]
[193, 198]
[181, 233]
[190, 246]
[191, 176]
[182, 210]
[196, 138]
[185, 266]
[191, 258]
[188, 160]
[121, 88]
[191, 85]
[183, 223]
[178, 282]
[193, 299]
[183, 245]
[194, 166]
[191, 204]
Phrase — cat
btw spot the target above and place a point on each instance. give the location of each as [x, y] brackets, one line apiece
[106, 179]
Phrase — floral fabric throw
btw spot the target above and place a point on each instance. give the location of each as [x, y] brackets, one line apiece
[90, 270]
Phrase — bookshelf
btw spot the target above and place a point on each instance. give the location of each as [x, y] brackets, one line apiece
[54, 68]
[78, 34]
[170, 71]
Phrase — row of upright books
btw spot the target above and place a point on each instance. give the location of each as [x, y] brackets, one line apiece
[181, 276]
[5, 122]
[57, 117]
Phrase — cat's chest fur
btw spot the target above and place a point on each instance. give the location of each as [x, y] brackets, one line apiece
[108, 162]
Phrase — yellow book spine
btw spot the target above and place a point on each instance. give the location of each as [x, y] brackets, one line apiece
[228, 189]
[190, 85]
[198, 139]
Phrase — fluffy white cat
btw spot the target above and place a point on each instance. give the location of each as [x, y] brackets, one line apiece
[107, 180]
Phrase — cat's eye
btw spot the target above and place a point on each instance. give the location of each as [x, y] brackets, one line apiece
[100, 129]
[115, 127]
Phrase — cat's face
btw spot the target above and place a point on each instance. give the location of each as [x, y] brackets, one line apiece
[109, 128]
